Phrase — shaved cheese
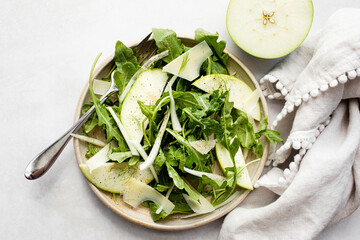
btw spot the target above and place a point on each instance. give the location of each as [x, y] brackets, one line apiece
[101, 87]
[203, 146]
[187, 65]
[158, 211]
[99, 158]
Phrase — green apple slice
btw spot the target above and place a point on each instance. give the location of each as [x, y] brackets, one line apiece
[187, 65]
[269, 28]
[239, 92]
[224, 160]
[128, 181]
[147, 88]
[112, 177]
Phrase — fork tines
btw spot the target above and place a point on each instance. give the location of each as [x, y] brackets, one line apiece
[143, 48]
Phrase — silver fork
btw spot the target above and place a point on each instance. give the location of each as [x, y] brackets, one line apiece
[45, 159]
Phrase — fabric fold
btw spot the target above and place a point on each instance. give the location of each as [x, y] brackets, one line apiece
[307, 206]
[316, 172]
[312, 81]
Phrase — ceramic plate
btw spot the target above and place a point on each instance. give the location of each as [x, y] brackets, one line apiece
[141, 214]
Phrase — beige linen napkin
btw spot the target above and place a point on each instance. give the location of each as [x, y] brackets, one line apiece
[316, 171]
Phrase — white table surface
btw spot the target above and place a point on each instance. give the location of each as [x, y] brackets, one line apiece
[46, 51]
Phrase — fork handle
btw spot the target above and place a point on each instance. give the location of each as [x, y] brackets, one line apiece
[44, 160]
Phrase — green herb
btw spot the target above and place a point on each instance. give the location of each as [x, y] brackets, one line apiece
[180, 183]
[126, 65]
[134, 160]
[194, 157]
[230, 140]
[271, 135]
[217, 47]
[92, 150]
[120, 156]
[184, 63]
[160, 159]
[167, 40]
[115, 198]
[104, 119]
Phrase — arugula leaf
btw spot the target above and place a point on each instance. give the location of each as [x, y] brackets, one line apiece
[229, 139]
[91, 123]
[180, 204]
[213, 67]
[258, 149]
[272, 135]
[245, 132]
[134, 160]
[263, 124]
[174, 155]
[126, 65]
[226, 121]
[180, 183]
[92, 150]
[153, 115]
[156, 217]
[147, 110]
[103, 116]
[161, 188]
[182, 85]
[123, 54]
[191, 99]
[217, 47]
[123, 76]
[194, 156]
[167, 40]
[180, 207]
[215, 183]
[120, 156]
[160, 159]
[206, 124]
[85, 108]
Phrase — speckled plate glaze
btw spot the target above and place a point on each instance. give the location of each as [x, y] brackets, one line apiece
[141, 214]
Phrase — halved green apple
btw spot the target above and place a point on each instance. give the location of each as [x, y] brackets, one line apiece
[269, 28]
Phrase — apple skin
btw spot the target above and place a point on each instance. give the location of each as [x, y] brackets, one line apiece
[274, 55]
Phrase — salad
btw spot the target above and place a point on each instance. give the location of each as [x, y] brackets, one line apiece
[179, 135]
